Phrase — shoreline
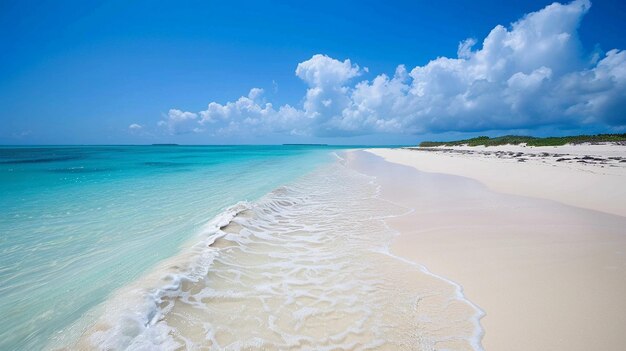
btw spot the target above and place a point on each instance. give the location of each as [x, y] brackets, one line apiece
[541, 271]
[255, 258]
[450, 228]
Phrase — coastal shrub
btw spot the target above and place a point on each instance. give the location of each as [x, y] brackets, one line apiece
[529, 140]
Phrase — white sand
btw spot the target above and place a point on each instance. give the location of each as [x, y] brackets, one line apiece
[591, 186]
[548, 276]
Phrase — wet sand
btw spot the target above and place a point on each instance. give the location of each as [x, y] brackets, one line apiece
[548, 276]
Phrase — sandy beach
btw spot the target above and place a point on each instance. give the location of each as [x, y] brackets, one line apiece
[297, 176]
[539, 244]
[586, 176]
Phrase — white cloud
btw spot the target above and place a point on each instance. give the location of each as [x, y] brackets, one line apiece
[180, 122]
[251, 115]
[135, 126]
[533, 73]
[465, 48]
[323, 71]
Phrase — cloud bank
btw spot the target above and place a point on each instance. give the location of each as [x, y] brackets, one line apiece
[533, 73]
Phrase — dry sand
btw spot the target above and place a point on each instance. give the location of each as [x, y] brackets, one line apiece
[548, 276]
[587, 176]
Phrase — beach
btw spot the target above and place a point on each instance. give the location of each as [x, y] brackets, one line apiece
[539, 245]
[297, 176]
[311, 248]
[219, 248]
[586, 176]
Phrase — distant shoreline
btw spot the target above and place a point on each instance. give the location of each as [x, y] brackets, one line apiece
[531, 141]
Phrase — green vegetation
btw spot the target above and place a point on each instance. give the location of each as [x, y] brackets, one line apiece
[531, 141]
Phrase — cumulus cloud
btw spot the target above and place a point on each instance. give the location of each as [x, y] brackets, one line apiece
[135, 126]
[251, 114]
[180, 122]
[530, 74]
[323, 71]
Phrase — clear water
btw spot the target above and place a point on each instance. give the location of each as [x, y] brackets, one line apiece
[78, 223]
[303, 268]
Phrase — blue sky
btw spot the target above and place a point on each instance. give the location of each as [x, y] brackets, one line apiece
[204, 72]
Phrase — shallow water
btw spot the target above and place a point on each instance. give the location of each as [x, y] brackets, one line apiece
[304, 267]
[78, 223]
[141, 248]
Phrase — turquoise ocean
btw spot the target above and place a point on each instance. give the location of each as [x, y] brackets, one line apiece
[78, 223]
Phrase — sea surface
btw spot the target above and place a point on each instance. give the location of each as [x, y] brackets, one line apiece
[77, 223]
[209, 247]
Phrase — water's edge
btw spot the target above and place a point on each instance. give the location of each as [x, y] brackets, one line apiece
[140, 314]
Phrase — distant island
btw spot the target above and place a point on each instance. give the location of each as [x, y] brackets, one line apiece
[529, 140]
[165, 145]
[305, 144]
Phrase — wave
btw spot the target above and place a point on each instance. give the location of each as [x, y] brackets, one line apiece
[305, 267]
